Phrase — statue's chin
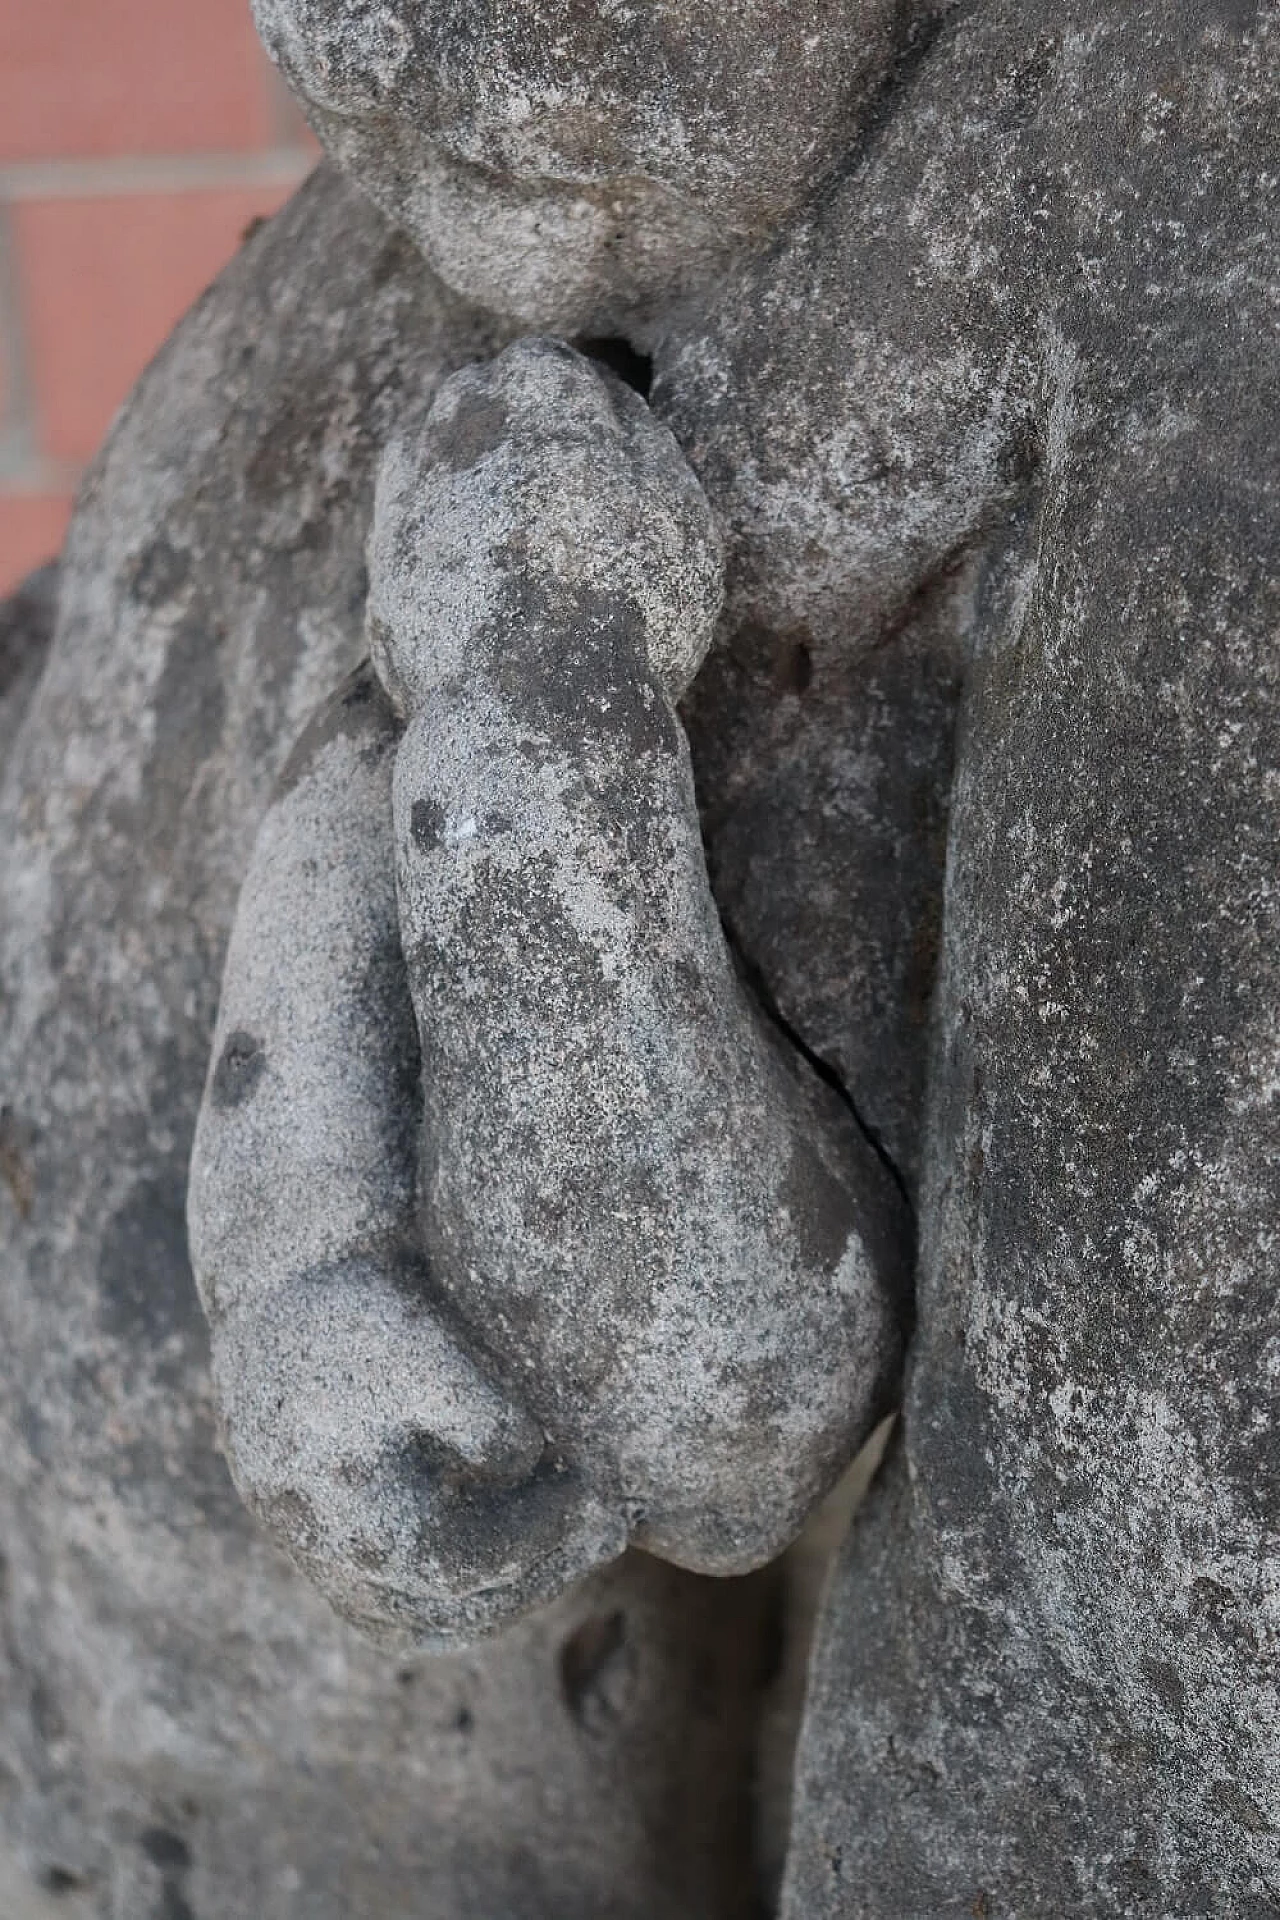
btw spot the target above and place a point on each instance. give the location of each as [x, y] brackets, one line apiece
[564, 256]
[583, 168]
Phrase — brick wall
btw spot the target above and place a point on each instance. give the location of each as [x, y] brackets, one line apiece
[138, 139]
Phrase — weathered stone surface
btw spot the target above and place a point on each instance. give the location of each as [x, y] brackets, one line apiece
[1037, 337]
[823, 777]
[583, 168]
[663, 1224]
[26, 628]
[991, 424]
[186, 1728]
[644, 1221]
[359, 1426]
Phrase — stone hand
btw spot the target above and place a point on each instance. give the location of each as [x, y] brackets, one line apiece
[362, 1431]
[644, 1283]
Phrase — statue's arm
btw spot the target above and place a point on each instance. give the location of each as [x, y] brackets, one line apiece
[657, 1296]
[362, 1430]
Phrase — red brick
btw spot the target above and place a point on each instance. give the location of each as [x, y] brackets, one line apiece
[87, 78]
[102, 282]
[31, 530]
[287, 117]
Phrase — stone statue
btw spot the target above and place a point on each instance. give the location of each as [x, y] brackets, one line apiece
[567, 1141]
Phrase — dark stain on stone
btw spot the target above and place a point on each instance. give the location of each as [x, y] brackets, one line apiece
[290, 443]
[484, 1511]
[1133, 1880]
[357, 593]
[144, 1273]
[822, 1207]
[393, 261]
[359, 688]
[1165, 1684]
[426, 824]
[189, 707]
[166, 1849]
[687, 993]
[240, 1067]
[1240, 1807]
[46, 1715]
[159, 573]
[357, 710]
[26, 632]
[31, 1425]
[15, 1167]
[596, 1670]
[476, 428]
[169, 1852]
[59, 1880]
[1019, 458]
[587, 681]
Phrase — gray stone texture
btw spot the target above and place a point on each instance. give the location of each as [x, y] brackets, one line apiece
[186, 1728]
[584, 168]
[988, 433]
[26, 628]
[668, 1228]
[1038, 340]
[653, 1290]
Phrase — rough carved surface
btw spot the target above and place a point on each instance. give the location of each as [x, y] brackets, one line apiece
[187, 1730]
[583, 168]
[1047, 1678]
[653, 1293]
[988, 435]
